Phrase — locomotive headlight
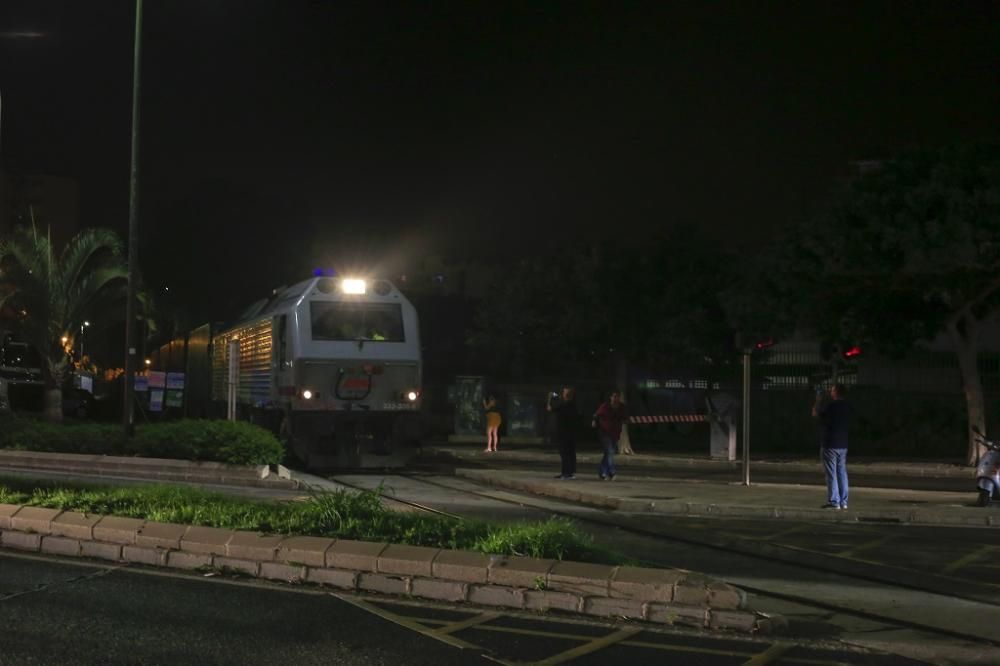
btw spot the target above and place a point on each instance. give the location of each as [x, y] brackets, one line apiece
[307, 394]
[353, 286]
[412, 396]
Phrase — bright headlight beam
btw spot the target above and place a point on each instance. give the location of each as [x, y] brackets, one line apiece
[307, 394]
[353, 286]
[412, 396]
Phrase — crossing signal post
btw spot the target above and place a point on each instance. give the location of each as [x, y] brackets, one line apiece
[754, 343]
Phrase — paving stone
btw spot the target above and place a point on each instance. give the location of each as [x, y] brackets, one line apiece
[253, 546]
[580, 578]
[6, 511]
[544, 600]
[290, 573]
[496, 595]
[347, 580]
[75, 525]
[206, 540]
[357, 555]
[407, 560]
[34, 519]
[733, 620]
[155, 557]
[160, 535]
[304, 550]
[675, 614]
[645, 584]
[179, 559]
[442, 590]
[520, 571]
[101, 551]
[57, 545]
[614, 607]
[248, 567]
[725, 596]
[20, 540]
[373, 582]
[690, 593]
[462, 565]
[118, 530]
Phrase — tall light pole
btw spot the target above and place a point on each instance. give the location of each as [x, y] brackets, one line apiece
[133, 230]
[82, 326]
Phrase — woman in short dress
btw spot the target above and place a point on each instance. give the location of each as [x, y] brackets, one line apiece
[493, 421]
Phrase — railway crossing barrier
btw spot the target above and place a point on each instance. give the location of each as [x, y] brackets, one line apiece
[722, 425]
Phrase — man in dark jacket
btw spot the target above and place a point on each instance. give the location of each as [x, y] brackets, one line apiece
[566, 418]
[835, 417]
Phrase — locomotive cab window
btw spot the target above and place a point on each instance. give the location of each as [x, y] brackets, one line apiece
[378, 322]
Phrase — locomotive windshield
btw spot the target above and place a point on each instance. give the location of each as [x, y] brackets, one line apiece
[379, 322]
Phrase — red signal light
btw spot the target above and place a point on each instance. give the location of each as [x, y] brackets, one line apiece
[764, 344]
[852, 352]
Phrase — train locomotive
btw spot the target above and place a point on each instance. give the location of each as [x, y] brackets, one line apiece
[333, 365]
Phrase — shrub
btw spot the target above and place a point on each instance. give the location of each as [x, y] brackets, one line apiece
[220, 441]
[196, 439]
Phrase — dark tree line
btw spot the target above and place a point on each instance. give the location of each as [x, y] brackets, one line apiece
[906, 251]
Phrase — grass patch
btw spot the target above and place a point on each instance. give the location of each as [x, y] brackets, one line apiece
[340, 514]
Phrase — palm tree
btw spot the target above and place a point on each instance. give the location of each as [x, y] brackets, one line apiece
[53, 296]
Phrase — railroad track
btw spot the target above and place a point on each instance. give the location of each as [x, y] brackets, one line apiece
[594, 519]
[391, 497]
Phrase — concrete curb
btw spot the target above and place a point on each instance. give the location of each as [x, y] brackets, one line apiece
[153, 469]
[660, 596]
[562, 491]
[859, 468]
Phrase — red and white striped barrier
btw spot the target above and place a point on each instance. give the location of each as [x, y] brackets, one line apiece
[671, 418]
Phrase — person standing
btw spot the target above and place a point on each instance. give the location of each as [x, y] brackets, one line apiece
[566, 418]
[493, 421]
[834, 416]
[608, 419]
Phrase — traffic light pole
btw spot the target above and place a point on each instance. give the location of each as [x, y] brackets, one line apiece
[746, 417]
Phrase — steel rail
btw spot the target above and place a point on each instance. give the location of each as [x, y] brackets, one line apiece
[759, 591]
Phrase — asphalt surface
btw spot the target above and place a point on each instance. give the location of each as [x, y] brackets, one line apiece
[70, 613]
[53, 612]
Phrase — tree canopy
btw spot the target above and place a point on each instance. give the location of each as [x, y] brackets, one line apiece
[656, 304]
[908, 250]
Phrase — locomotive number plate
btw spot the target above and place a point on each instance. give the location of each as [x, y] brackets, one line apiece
[398, 406]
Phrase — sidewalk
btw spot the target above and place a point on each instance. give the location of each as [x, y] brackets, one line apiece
[635, 491]
[667, 460]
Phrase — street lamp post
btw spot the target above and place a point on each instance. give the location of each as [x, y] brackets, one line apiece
[82, 326]
[133, 228]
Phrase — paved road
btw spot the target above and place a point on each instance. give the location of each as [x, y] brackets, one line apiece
[53, 612]
[68, 613]
[819, 601]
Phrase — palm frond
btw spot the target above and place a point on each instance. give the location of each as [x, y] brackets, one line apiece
[88, 249]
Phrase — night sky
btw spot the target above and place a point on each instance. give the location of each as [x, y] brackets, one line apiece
[294, 132]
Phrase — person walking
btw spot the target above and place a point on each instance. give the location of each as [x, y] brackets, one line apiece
[609, 419]
[834, 416]
[566, 418]
[493, 421]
